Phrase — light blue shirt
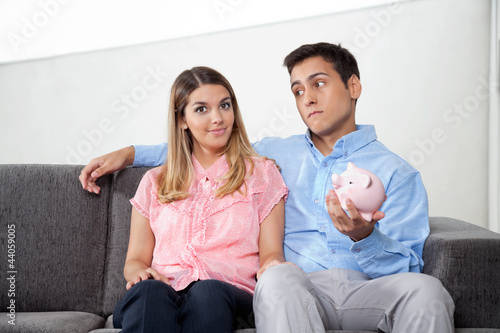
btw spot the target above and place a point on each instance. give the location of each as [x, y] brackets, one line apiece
[311, 240]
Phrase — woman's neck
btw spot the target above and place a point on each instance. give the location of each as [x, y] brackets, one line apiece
[206, 159]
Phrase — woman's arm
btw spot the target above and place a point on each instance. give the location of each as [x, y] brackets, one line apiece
[272, 231]
[140, 252]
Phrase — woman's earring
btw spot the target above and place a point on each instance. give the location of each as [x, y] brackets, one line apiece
[185, 127]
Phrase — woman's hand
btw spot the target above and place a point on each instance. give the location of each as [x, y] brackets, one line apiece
[271, 263]
[149, 273]
[267, 265]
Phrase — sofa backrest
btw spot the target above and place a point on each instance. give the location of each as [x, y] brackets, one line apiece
[70, 246]
[124, 185]
[59, 232]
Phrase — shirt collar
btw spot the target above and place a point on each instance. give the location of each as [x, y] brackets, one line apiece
[215, 171]
[308, 138]
[349, 143]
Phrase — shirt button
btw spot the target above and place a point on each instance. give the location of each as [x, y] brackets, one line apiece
[345, 154]
[325, 164]
[332, 250]
[322, 227]
[316, 201]
[357, 250]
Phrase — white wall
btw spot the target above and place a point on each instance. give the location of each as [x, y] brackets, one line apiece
[31, 29]
[494, 121]
[423, 67]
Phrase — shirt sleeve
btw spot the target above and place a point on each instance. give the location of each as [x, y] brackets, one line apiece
[272, 188]
[396, 243]
[144, 194]
[154, 155]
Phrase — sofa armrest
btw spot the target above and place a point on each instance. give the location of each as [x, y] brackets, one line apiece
[466, 259]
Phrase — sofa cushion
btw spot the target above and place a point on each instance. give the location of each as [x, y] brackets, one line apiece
[477, 330]
[252, 330]
[125, 183]
[52, 322]
[60, 234]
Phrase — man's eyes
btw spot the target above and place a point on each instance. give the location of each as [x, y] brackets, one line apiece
[300, 92]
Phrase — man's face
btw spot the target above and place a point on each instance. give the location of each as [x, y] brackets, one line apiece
[325, 104]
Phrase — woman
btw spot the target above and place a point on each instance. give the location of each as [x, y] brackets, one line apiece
[203, 223]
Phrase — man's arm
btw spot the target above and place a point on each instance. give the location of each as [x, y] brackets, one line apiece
[150, 155]
[137, 156]
[396, 244]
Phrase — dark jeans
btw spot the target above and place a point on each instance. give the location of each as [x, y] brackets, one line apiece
[204, 306]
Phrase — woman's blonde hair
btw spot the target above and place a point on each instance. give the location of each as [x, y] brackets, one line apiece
[177, 172]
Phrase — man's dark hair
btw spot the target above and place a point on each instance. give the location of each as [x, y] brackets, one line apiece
[342, 60]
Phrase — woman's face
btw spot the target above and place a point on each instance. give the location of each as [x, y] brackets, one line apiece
[209, 117]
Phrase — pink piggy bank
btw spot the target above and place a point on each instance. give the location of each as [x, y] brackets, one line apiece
[365, 190]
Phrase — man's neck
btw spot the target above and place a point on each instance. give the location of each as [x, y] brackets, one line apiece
[325, 143]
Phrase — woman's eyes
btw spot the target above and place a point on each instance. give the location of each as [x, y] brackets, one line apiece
[320, 84]
[223, 106]
[299, 92]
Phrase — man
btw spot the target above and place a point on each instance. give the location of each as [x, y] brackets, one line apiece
[350, 274]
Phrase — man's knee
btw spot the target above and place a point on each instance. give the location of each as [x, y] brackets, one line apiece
[431, 305]
[428, 293]
[284, 299]
[280, 286]
[424, 285]
[284, 277]
[438, 297]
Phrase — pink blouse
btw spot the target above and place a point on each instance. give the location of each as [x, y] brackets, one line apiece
[205, 237]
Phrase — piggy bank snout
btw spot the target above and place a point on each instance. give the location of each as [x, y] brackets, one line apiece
[337, 180]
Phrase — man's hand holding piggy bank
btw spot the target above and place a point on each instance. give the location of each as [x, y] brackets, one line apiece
[361, 194]
[365, 190]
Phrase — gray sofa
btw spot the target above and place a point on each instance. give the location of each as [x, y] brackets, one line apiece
[65, 272]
